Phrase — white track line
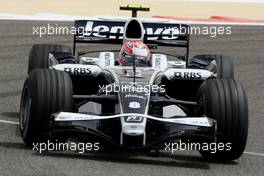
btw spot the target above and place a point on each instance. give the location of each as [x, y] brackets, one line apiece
[253, 153]
[9, 122]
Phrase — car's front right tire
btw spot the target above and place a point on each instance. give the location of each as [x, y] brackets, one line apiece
[225, 65]
[44, 92]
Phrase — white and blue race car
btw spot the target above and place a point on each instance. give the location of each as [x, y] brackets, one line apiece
[73, 94]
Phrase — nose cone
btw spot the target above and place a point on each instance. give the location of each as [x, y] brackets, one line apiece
[133, 30]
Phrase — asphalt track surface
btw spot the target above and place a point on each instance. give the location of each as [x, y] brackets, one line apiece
[245, 46]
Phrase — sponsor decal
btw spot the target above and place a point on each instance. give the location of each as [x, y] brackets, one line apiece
[133, 127]
[78, 71]
[135, 96]
[107, 59]
[134, 119]
[187, 75]
[134, 105]
[158, 61]
[115, 30]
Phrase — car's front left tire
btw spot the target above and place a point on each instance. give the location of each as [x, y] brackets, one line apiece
[44, 92]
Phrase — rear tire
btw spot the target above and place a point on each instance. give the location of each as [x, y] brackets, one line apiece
[226, 102]
[225, 65]
[45, 92]
[39, 55]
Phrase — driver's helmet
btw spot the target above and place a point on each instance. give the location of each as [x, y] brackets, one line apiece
[134, 50]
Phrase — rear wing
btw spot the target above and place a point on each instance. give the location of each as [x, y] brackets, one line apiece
[111, 32]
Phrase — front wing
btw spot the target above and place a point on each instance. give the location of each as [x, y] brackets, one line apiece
[157, 130]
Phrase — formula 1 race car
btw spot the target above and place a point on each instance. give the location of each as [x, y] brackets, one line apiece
[134, 106]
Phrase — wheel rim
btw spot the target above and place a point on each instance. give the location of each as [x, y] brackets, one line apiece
[25, 109]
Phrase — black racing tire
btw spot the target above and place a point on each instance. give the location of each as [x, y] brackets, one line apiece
[44, 92]
[39, 55]
[225, 101]
[225, 65]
